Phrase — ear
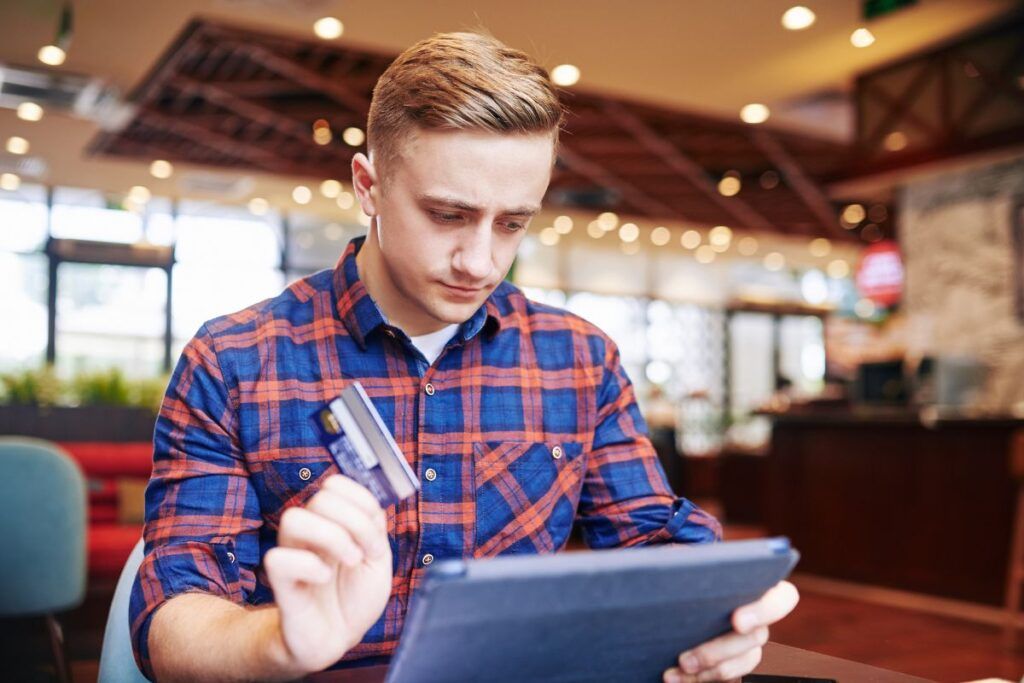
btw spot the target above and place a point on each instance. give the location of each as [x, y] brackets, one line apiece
[364, 183]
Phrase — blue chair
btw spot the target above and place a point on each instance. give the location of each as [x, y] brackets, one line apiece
[42, 529]
[117, 662]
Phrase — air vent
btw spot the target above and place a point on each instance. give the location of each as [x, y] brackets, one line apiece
[82, 96]
[216, 185]
[26, 167]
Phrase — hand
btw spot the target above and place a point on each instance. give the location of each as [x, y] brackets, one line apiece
[330, 572]
[736, 654]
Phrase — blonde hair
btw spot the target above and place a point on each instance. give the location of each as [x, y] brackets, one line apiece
[460, 81]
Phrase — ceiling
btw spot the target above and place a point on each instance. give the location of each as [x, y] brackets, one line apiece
[708, 57]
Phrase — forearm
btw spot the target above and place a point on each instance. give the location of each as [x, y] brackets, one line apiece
[200, 637]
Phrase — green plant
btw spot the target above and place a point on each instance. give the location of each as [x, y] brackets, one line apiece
[149, 393]
[105, 387]
[35, 387]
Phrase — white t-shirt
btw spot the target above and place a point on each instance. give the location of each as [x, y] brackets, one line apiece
[431, 345]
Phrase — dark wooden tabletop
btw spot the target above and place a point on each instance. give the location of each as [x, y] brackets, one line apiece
[779, 660]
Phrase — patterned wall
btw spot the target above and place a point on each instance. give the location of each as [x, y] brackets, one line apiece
[957, 236]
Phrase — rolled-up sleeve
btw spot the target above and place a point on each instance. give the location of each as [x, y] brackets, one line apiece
[626, 499]
[202, 515]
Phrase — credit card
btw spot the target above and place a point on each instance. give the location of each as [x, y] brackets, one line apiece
[351, 430]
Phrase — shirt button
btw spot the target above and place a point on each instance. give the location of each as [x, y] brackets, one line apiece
[305, 474]
[427, 559]
[430, 474]
[556, 452]
[231, 557]
[429, 389]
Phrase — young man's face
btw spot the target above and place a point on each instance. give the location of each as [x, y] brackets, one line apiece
[449, 213]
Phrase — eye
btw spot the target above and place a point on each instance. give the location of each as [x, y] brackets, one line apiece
[445, 217]
[514, 226]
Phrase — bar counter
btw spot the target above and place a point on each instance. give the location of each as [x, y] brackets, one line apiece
[887, 499]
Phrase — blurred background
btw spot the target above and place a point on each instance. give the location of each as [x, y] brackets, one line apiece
[802, 224]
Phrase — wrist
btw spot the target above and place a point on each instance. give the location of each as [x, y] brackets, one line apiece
[273, 648]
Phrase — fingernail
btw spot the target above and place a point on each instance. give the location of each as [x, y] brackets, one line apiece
[690, 664]
[671, 676]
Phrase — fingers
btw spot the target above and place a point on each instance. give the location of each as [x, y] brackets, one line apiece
[773, 606]
[286, 566]
[728, 670]
[367, 529]
[358, 495]
[722, 649]
[302, 528]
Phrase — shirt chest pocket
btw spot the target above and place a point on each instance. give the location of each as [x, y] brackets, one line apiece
[526, 495]
[289, 479]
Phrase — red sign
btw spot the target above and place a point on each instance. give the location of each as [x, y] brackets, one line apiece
[880, 273]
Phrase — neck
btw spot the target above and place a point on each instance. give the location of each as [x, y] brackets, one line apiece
[381, 288]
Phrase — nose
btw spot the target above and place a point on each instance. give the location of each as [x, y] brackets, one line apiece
[472, 262]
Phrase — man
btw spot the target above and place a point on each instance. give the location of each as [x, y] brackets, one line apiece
[263, 562]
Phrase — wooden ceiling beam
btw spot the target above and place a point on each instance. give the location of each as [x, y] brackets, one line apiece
[596, 173]
[809, 192]
[682, 164]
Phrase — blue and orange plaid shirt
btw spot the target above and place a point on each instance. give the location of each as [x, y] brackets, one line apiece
[526, 424]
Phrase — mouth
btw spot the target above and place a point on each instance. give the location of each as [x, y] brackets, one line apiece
[464, 293]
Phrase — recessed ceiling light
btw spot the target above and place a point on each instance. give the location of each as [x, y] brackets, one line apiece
[302, 194]
[862, 38]
[774, 261]
[820, 247]
[660, 236]
[607, 221]
[17, 145]
[328, 28]
[704, 254]
[563, 224]
[690, 239]
[353, 136]
[30, 111]
[747, 246]
[797, 18]
[729, 186]
[139, 194]
[895, 141]
[549, 237]
[838, 269]
[629, 232]
[9, 182]
[51, 55]
[720, 236]
[565, 75]
[330, 188]
[161, 169]
[258, 206]
[345, 200]
[853, 214]
[755, 113]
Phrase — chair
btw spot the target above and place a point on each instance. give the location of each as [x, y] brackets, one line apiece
[42, 528]
[117, 662]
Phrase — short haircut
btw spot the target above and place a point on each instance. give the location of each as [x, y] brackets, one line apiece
[460, 81]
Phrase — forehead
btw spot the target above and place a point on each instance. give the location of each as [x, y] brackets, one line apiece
[483, 168]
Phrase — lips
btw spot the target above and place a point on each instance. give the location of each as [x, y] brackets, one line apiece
[462, 292]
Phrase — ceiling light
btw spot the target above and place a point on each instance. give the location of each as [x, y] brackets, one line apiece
[747, 246]
[161, 169]
[769, 180]
[51, 55]
[30, 111]
[17, 145]
[322, 136]
[871, 233]
[878, 213]
[9, 182]
[629, 232]
[797, 18]
[565, 75]
[774, 261]
[853, 214]
[755, 113]
[549, 237]
[328, 28]
[595, 230]
[862, 38]
[302, 194]
[895, 141]
[345, 200]
[330, 188]
[729, 186]
[563, 224]
[690, 239]
[720, 236]
[838, 269]
[820, 247]
[258, 206]
[660, 236]
[139, 194]
[607, 221]
[353, 136]
[705, 254]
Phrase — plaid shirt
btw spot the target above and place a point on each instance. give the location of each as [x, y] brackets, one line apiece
[526, 422]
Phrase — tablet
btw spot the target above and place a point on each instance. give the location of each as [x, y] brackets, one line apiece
[610, 615]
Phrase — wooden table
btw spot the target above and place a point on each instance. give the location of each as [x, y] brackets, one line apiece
[780, 660]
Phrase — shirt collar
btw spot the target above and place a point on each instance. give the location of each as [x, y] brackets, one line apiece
[361, 316]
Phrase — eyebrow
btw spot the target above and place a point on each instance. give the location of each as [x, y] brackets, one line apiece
[455, 203]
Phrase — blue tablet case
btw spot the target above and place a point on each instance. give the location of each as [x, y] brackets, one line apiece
[612, 615]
